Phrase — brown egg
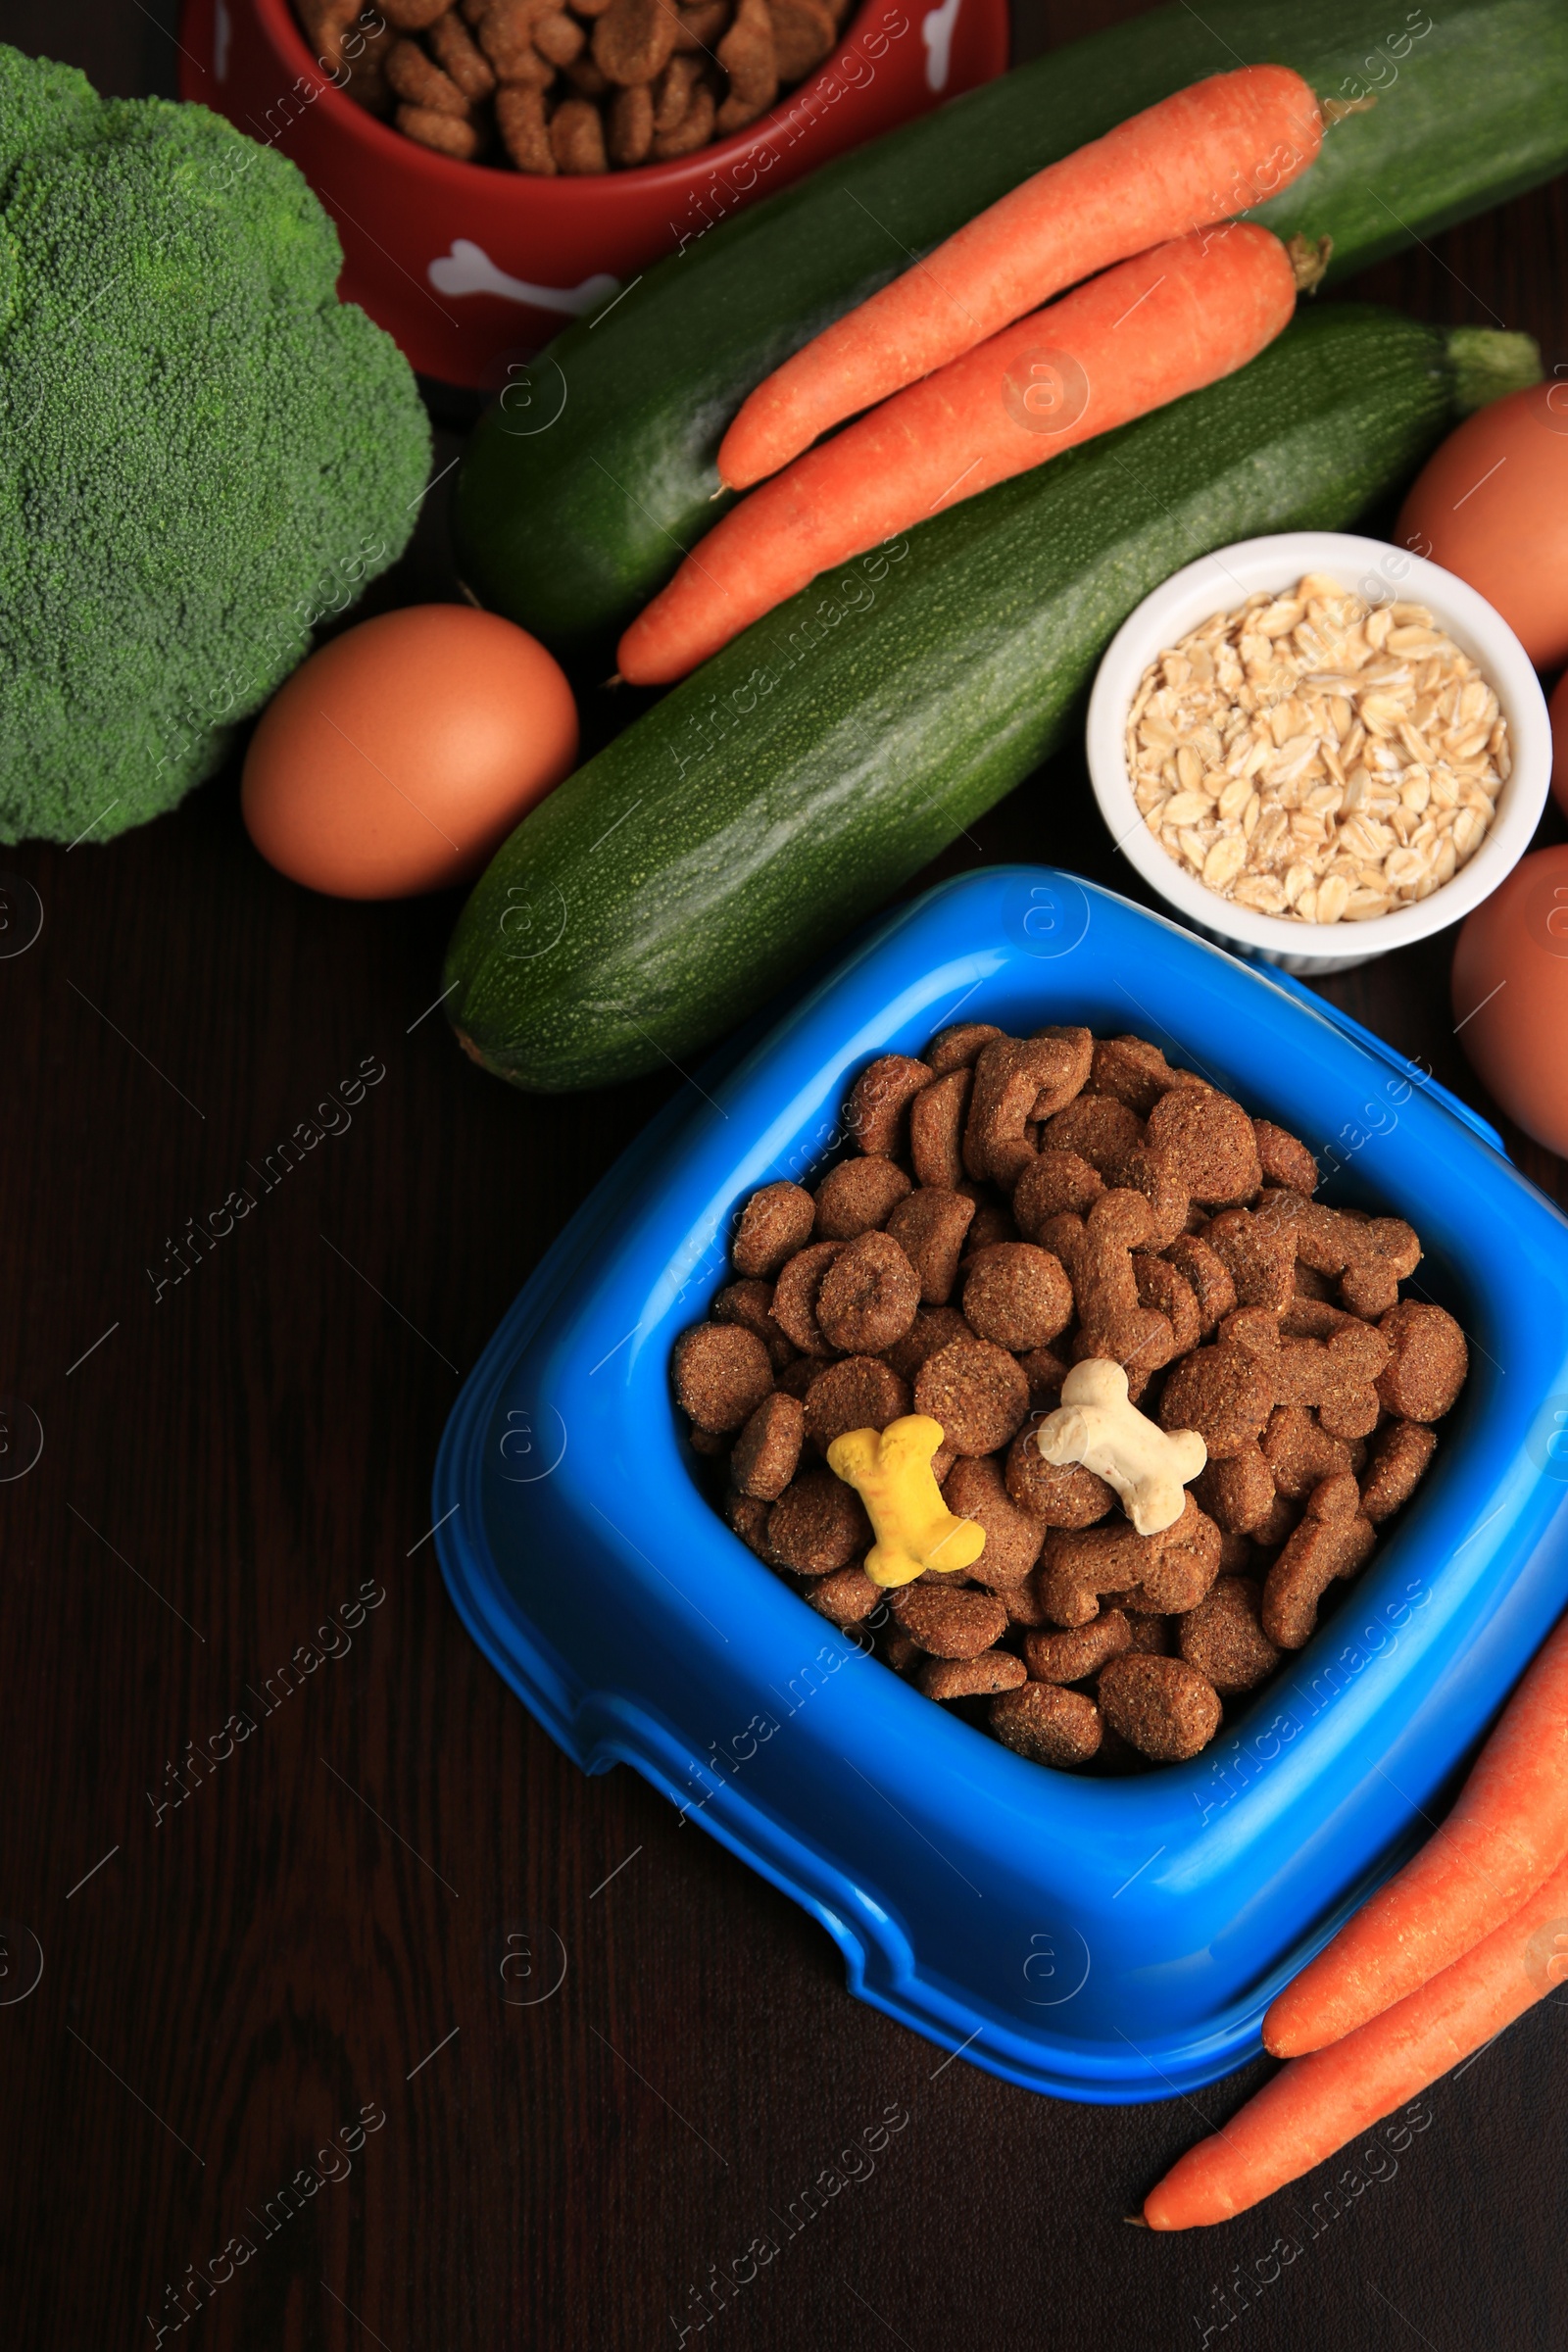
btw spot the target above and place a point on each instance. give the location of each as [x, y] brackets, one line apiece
[1510, 995]
[400, 757]
[1492, 505]
[1559, 743]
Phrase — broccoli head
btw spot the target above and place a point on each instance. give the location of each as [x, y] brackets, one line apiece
[202, 451]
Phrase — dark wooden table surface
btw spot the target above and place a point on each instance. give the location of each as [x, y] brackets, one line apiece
[315, 1934]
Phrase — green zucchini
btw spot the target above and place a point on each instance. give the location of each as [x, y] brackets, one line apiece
[773, 799]
[569, 528]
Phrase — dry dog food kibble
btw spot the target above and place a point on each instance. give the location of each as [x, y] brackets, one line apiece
[776, 1223]
[1161, 1706]
[597, 85]
[1048, 1724]
[867, 1296]
[1063, 1390]
[859, 1391]
[817, 1525]
[977, 1390]
[972, 1677]
[723, 1374]
[767, 1451]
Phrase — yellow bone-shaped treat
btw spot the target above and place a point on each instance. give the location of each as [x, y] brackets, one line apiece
[891, 1471]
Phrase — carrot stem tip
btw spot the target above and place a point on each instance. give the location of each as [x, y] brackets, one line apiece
[1309, 260]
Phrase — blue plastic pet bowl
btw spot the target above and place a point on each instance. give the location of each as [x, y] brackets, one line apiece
[1105, 1939]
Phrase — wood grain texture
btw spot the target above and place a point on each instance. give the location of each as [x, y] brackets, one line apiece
[322, 1924]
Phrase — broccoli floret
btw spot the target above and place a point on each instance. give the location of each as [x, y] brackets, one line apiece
[202, 451]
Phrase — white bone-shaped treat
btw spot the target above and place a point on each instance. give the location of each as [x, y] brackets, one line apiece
[1096, 1426]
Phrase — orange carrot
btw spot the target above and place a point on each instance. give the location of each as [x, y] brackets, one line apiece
[1315, 2105]
[1508, 1830]
[1143, 335]
[1196, 158]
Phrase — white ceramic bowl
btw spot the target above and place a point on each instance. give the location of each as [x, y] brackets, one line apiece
[1382, 573]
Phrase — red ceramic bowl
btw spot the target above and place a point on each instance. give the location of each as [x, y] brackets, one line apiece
[471, 267]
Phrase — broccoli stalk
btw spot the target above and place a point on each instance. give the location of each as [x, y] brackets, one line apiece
[202, 451]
